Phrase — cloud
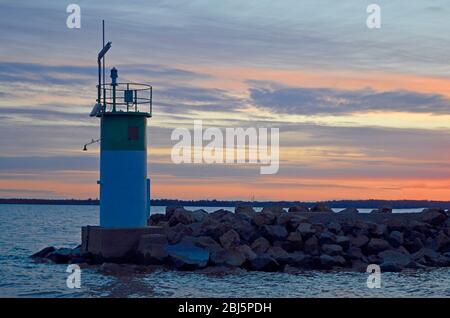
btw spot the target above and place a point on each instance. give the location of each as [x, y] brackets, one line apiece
[315, 101]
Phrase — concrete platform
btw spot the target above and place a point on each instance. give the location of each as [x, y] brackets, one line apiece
[114, 244]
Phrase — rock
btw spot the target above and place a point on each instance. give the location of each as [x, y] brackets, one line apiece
[233, 258]
[274, 210]
[382, 209]
[442, 242]
[199, 215]
[278, 254]
[207, 243]
[244, 209]
[390, 267]
[359, 266]
[291, 220]
[247, 251]
[413, 245]
[355, 253]
[328, 261]
[394, 257]
[350, 211]
[359, 240]
[377, 245]
[177, 232]
[155, 218]
[299, 259]
[320, 207]
[296, 240]
[151, 249]
[44, 252]
[181, 216]
[326, 238]
[434, 216]
[343, 241]
[298, 208]
[261, 219]
[230, 239]
[245, 230]
[311, 246]
[332, 249]
[334, 227]
[220, 214]
[396, 238]
[63, 255]
[418, 226]
[396, 224]
[171, 209]
[264, 263]
[379, 230]
[187, 256]
[260, 245]
[306, 230]
[274, 232]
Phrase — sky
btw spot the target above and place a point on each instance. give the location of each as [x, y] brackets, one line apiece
[362, 113]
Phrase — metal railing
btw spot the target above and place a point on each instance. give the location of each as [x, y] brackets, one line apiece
[126, 97]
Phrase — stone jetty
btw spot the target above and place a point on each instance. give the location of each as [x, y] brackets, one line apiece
[279, 239]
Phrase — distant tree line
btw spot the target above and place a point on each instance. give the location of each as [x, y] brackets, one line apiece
[370, 204]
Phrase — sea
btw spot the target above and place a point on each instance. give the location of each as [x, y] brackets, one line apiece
[25, 229]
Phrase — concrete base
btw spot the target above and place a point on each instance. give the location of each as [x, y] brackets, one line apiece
[114, 244]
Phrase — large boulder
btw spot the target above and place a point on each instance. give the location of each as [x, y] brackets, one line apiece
[181, 216]
[359, 240]
[320, 207]
[187, 256]
[230, 239]
[245, 230]
[298, 208]
[328, 261]
[279, 254]
[377, 245]
[290, 220]
[343, 241]
[311, 246]
[234, 258]
[332, 249]
[177, 232]
[334, 227]
[260, 245]
[247, 251]
[155, 218]
[396, 258]
[207, 243]
[264, 218]
[44, 252]
[294, 242]
[326, 238]
[63, 255]
[245, 209]
[274, 232]
[413, 245]
[442, 242]
[434, 216]
[349, 211]
[171, 209]
[264, 263]
[199, 215]
[396, 238]
[274, 210]
[306, 230]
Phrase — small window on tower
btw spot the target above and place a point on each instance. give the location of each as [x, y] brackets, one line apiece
[133, 133]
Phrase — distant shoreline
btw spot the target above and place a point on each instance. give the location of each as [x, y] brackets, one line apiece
[369, 204]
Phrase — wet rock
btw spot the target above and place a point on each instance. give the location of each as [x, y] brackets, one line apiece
[334, 227]
[326, 238]
[434, 216]
[233, 258]
[260, 245]
[350, 211]
[377, 245]
[359, 240]
[187, 256]
[199, 215]
[396, 238]
[230, 239]
[320, 207]
[207, 243]
[395, 257]
[298, 208]
[311, 246]
[390, 267]
[44, 252]
[332, 249]
[279, 254]
[274, 232]
[306, 230]
[264, 263]
[343, 241]
[328, 261]
[63, 255]
[155, 218]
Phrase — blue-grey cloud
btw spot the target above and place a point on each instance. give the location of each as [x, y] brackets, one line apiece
[310, 101]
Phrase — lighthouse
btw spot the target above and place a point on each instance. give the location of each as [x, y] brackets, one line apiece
[123, 109]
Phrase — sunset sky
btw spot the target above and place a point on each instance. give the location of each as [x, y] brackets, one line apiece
[362, 113]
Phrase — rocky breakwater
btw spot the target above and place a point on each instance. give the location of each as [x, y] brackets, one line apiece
[276, 239]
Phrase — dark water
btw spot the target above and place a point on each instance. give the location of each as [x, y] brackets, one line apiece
[25, 229]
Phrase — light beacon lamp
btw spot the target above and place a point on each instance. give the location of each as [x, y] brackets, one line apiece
[123, 110]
